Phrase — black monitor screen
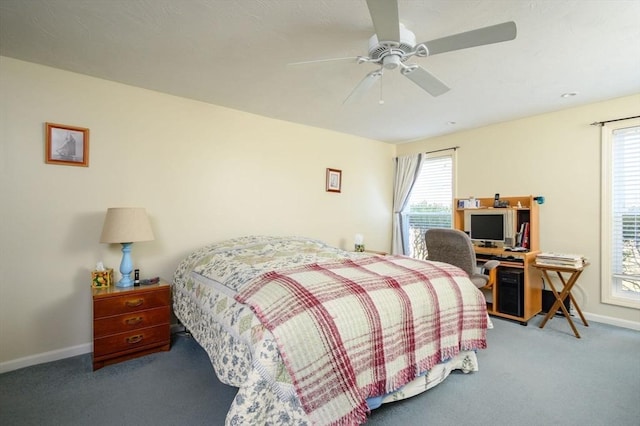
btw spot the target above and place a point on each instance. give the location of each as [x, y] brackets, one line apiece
[487, 227]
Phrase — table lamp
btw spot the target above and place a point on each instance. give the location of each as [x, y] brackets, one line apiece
[126, 225]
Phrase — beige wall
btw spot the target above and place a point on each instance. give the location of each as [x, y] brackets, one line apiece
[556, 155]
[204, 173]
[200, 170]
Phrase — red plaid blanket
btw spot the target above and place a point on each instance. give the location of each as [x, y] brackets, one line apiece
[352, 329]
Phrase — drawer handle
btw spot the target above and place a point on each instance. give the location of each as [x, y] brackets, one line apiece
[134, 339]
[134, 303]
[133, 321]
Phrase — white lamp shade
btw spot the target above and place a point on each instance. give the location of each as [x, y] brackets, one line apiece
[126, 225]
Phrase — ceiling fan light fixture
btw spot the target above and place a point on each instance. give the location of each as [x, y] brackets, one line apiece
[391, 62]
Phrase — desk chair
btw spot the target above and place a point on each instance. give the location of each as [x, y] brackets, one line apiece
[455, 248]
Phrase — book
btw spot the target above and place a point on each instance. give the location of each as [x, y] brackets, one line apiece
[525, 235]
[561, 259]
[552, 255]
[519, 235]
[577, 264]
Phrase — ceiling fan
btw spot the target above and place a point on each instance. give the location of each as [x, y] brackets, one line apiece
[393, 44]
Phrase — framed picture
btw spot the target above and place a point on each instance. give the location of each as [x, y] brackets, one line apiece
[66, 145]
[334, 180]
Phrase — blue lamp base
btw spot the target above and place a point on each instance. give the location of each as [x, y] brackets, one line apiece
[126, 266]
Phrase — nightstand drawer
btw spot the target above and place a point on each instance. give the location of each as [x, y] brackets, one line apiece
[130, 302]
[131, 321]
[131, 341]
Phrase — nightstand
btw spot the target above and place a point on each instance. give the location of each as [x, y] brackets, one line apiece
[130, 322]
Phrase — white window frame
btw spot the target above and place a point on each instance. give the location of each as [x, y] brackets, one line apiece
[431, 156]
[610, 293]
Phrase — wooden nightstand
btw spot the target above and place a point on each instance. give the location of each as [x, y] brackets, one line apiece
[130, 322]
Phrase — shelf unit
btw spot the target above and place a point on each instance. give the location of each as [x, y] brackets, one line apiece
[532, 281]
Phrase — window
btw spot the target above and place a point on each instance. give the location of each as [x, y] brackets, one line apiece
[430, 202]
[621, 213]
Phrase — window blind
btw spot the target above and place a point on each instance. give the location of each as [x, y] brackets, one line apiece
[625, 227]
[429, 203]
[434, 186]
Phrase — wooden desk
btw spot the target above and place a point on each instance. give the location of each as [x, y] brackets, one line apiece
[566, 291]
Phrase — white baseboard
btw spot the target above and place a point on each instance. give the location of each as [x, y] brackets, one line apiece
[36, 359]
[633, 325]
[30, 360]
[88, 347]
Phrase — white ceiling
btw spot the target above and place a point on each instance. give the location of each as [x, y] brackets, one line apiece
[236, 54]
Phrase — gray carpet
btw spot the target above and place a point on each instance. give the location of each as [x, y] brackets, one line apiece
[527, 376]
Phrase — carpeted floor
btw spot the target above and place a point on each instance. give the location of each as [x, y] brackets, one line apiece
[527, 376]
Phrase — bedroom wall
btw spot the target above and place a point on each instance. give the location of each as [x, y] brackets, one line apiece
[204, 173]
[556, 155]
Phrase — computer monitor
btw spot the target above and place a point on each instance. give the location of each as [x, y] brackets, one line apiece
[490, 227]
[487, 228]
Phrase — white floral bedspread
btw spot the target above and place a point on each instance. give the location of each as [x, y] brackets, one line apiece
[243, 353]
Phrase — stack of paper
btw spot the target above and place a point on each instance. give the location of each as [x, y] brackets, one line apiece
[560, 259]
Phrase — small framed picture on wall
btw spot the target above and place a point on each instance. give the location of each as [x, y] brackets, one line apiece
[66, 145]
[334, 180]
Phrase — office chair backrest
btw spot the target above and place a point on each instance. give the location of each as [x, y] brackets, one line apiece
[451, 246]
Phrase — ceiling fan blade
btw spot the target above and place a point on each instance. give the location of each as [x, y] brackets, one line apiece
[425, 79]
[384, 14]
[487, 35]
[365, 84]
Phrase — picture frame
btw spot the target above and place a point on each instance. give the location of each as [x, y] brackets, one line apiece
[334, 180]
[66, 145]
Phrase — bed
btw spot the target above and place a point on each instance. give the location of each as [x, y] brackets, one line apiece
[311, 334]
